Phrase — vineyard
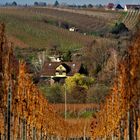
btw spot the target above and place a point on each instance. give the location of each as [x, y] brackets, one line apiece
[32, 34]
[96, 21]
[24, 111]
[26, 114]
[75, 107]
[119, 117]
[131, 18]
[30, 31]
[91, 21]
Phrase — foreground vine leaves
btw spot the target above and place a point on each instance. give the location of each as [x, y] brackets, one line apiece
[31, 114]
[113, 120]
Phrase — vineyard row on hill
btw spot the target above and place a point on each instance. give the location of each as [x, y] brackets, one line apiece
[131, 19]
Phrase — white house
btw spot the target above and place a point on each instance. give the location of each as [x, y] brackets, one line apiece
[54, 59]
[73, 29]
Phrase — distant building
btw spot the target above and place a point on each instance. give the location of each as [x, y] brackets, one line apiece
[55, 58]
[73, 29]
[110, 6]
[131, 7]
[59, 71]
[117, 7]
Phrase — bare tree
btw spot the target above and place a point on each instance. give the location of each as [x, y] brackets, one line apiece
[96, 55]
[39, 61]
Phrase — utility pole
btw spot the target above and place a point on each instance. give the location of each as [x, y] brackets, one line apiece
[84, 137]
[115, 73]
[24, 129]
[65, 101]
[34, 133]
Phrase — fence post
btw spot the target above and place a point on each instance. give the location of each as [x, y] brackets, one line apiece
[130, 124]
[121, 130]
[41, 134]
[34, 133]
[24, 129]
[5, 124]
[9, 113]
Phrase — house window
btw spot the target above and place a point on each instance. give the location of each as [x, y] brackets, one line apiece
[61, 72]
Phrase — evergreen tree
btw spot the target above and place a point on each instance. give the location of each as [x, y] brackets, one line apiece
[14, 3]
[35, 3]
[56, 3]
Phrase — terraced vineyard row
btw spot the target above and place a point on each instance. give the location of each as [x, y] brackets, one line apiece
[75, 107]
[94, 21]
[131, 19]
[30, 29]
[98, 21]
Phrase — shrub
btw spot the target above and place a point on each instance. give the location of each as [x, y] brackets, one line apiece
[97, 93]
[67, 56]
[54, 93]
[119, 28]
[79, 80]
[77, 87]
[77, 95]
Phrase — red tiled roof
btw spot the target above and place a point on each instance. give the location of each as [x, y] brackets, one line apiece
[110, 5]
[49, 68]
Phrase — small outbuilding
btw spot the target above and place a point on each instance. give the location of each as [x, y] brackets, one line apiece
[118, 7]
[73, 29]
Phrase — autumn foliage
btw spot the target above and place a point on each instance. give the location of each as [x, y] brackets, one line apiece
[31, 116]
[118, 117]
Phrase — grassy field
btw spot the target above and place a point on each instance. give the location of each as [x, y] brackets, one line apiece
[26, 28]
[76, 110]
[91, 21]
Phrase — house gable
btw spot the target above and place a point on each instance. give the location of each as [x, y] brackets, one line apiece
[60, 71]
